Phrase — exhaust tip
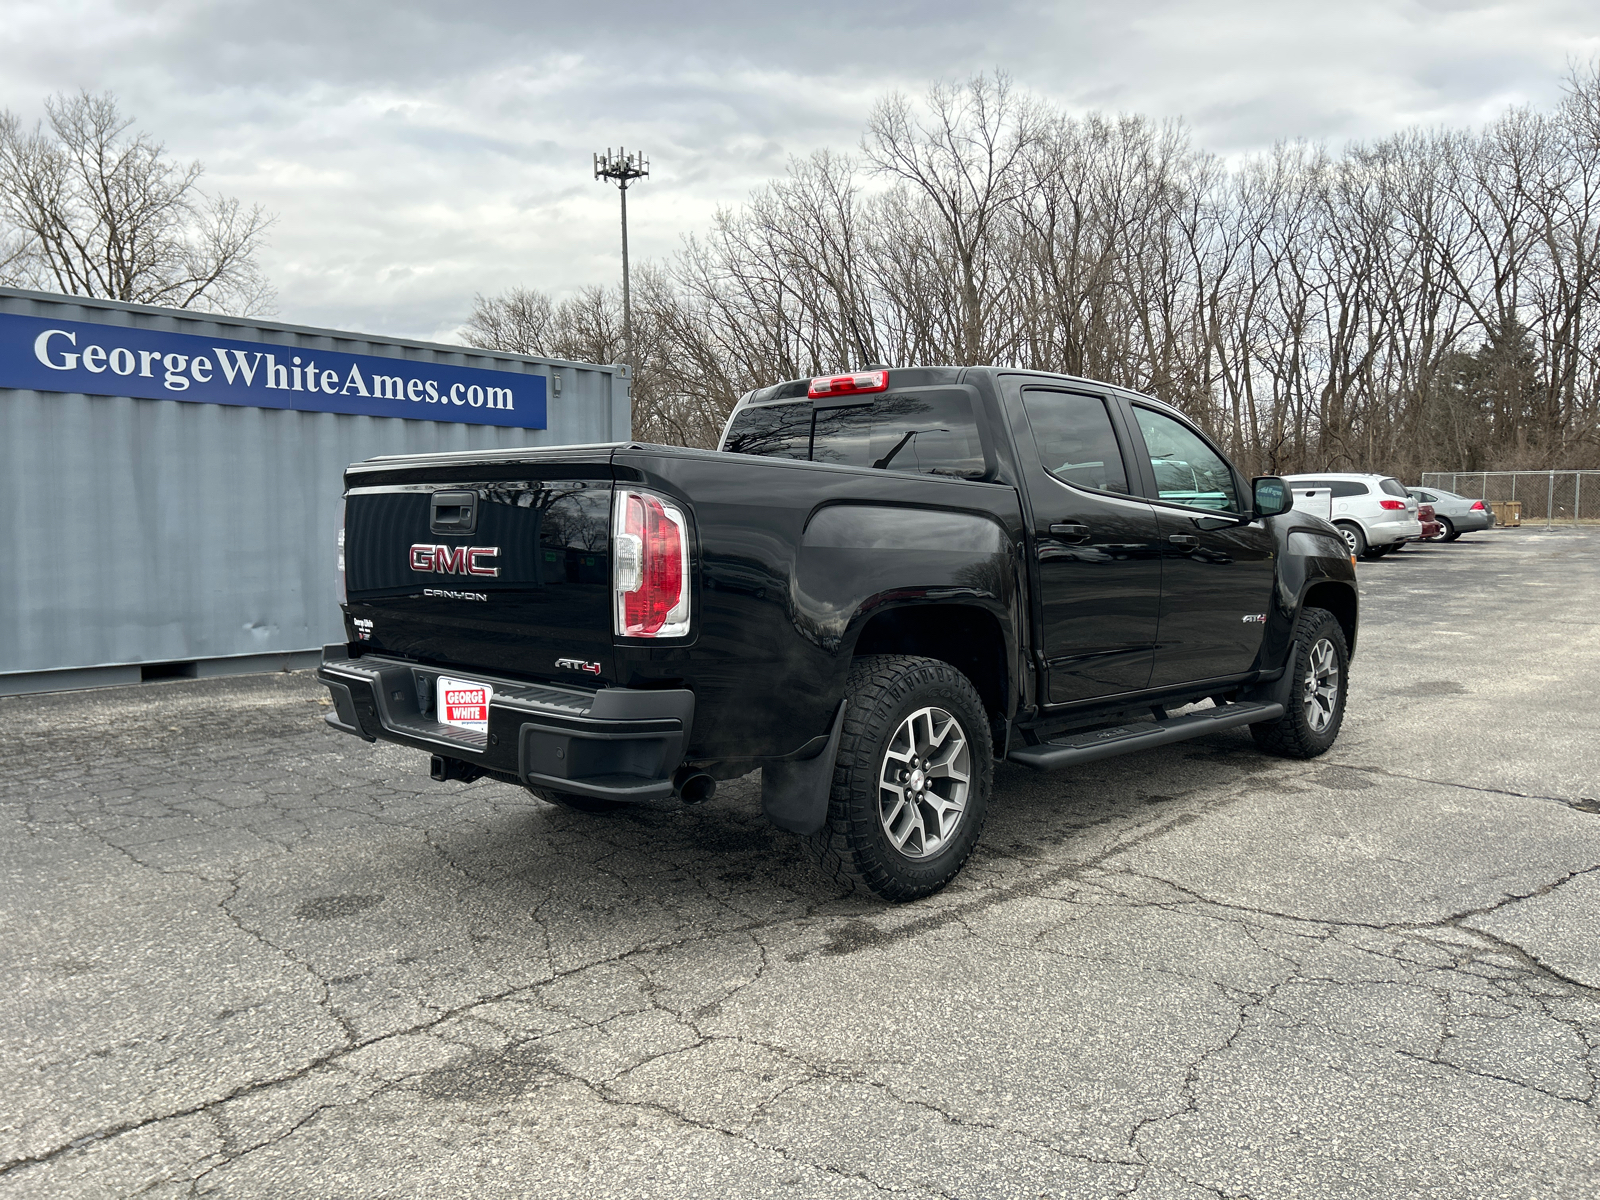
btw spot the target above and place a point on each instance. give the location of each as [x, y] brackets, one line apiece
[698, 788]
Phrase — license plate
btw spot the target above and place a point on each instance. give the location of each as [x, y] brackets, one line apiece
[464, 703]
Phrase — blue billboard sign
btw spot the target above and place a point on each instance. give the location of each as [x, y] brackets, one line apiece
[48, 355]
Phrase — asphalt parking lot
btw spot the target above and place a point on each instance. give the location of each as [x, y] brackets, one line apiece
[248, 956]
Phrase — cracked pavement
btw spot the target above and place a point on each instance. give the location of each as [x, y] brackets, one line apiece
[250, 956]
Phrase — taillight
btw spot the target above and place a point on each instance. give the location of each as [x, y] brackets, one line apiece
[854, 384]
[341, 587]
[1480, 506]
[650, 575]
[1391, 505]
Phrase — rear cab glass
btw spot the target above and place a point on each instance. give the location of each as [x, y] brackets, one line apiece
[925, 431]
[772, 431]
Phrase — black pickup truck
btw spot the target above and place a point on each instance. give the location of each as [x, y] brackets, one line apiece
[881, 584]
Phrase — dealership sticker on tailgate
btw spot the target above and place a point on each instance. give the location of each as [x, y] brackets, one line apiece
[464, 703]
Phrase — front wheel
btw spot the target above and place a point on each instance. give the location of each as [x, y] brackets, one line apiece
[1319, 666]
[911, 783]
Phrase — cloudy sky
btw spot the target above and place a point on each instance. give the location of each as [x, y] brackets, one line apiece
[417, 153]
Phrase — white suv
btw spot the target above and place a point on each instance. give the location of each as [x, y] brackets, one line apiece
[1374, 512]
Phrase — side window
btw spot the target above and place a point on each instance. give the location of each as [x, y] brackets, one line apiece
[925, 433]
[771, 430]
[1187, 470]
[1346, 487]
[1075, 440]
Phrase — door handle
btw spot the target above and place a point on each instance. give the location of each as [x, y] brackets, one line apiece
[1184, 539]
[1069, 532]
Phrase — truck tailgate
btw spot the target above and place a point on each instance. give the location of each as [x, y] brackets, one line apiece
[499, 566]
[1316, 501]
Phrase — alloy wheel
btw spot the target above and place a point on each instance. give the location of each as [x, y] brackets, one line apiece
[1321, 685]
[923, 786]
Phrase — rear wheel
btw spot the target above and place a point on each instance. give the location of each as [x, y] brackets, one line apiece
[1378, 551]
[1319, 667]
[1447, 530]
[1354, 538]
[911, 783]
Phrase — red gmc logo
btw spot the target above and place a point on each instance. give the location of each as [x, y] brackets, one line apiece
[453, 560]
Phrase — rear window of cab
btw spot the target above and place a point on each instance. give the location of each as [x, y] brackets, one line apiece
[924, 432]
[771, 431]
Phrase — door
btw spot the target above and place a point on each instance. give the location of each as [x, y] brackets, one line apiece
[1217, 564]
[1097, 560]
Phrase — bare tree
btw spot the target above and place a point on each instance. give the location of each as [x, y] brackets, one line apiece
[93, 210]
[520, 320]
[678, 394]
[1429, 298]
[963, 160]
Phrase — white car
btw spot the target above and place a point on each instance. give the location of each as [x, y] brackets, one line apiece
[1375, 513]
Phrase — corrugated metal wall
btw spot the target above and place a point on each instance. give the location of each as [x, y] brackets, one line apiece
[145, 531]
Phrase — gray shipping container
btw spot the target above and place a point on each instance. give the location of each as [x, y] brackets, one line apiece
[150, 537]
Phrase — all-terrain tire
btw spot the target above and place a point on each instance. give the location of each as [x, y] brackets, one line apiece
[1312, 721]
[1354, 538]
[886, 694]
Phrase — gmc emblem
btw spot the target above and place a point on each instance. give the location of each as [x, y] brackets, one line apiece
[453, 560]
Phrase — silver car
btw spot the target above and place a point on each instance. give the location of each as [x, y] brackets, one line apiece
[1372, 513]
[1457, 514]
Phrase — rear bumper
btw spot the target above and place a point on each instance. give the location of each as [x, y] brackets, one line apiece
[616, 743]
[1385, 533]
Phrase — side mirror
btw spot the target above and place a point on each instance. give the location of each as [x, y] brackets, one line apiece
[1272, 496]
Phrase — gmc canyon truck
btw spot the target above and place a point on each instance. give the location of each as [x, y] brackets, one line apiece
[880, 585]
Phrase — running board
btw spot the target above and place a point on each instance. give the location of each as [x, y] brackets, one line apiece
[1069, 750]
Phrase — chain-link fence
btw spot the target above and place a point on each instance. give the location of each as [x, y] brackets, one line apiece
[1548, 497]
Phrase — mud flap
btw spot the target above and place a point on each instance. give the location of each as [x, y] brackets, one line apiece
[794, 795]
